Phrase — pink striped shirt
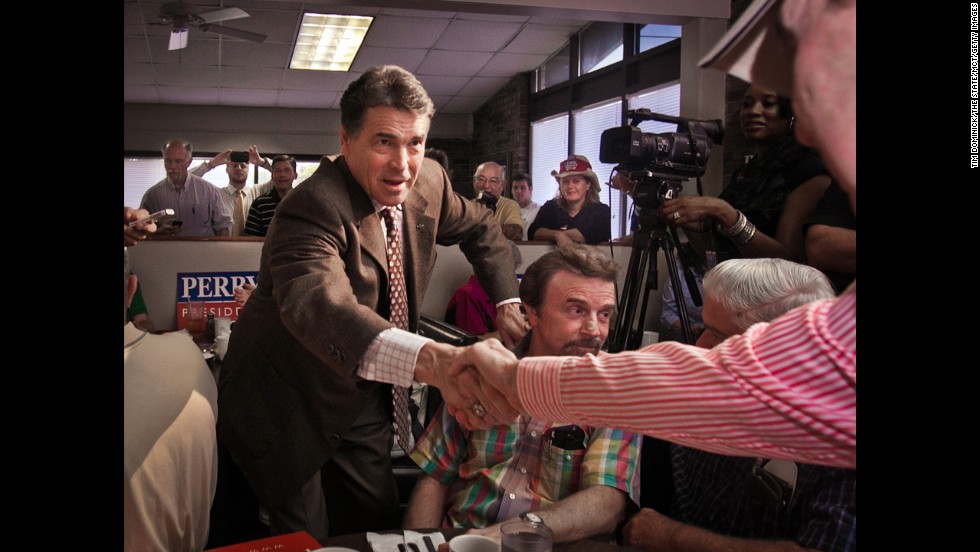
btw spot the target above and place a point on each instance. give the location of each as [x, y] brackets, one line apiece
[781, 390]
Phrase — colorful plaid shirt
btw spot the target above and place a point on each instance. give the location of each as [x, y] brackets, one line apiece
[495, 474]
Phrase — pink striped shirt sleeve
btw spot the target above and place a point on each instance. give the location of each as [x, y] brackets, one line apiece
[781, 390]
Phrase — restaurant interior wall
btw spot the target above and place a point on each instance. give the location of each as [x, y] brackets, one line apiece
[500, 127]
[146, 127]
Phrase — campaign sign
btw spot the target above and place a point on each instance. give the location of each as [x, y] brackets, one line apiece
[215, 289]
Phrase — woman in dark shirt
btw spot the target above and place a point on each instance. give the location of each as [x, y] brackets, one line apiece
[762, 211]
[575, 215]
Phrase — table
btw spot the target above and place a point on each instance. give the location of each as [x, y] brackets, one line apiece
[358, 541]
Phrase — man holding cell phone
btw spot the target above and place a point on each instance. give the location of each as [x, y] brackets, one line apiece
[197, 203]
[238, 194]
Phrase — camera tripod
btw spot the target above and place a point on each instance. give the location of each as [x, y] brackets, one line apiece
[651, 235]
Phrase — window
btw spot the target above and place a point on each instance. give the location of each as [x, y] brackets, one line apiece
[140, 173]
[601, 45]
[582, 129]
[554, 71]
[588, 124]
[652, 36]
[549, 146]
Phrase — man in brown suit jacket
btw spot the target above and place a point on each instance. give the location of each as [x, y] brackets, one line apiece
[305, 387]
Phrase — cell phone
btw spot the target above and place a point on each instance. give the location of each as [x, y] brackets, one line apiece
[158, 215]
[239, 157]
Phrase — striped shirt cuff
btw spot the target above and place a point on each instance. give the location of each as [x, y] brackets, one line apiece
[391, 357]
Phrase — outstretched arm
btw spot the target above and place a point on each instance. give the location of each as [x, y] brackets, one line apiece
[651, 530]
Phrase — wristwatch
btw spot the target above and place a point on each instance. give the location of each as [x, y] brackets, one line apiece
[531, 517]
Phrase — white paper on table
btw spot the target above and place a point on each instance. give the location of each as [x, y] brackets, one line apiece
[389, 543]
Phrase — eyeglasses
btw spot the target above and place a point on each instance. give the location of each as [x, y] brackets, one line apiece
[483, 180]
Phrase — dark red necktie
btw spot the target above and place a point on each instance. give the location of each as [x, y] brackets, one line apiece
[398, 301]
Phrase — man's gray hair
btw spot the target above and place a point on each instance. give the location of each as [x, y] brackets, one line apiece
[760, 290]
[383, 85]
[186, 145]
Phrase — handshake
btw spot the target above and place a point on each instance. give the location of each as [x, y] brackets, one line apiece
[480, 384]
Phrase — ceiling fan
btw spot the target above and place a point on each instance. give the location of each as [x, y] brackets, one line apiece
[181, 16]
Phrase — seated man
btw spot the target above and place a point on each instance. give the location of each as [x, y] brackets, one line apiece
[579, 479]
[733, 503]
[170, 451]
[488, 183]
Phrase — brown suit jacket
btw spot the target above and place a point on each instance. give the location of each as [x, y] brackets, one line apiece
[288, 388]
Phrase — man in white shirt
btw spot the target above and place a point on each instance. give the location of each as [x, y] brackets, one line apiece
[520, 189]
[238, 186]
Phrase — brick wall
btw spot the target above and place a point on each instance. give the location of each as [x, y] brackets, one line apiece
[501, 130]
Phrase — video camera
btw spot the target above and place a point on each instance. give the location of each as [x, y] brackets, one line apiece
[659, 162]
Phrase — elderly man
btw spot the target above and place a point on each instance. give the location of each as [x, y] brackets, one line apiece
[784, 390]
[324, 350]
[195, 201]
[521, 188]
[489, 179]
[579, 479]
[732, 503]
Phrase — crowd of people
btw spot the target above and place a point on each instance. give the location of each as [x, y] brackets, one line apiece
[319, 373]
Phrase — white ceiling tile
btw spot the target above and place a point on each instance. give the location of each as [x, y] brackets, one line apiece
[535, 39]
[484, 86]
[476, 36]
[431, 14]
[297, 79]
[442, 86]
[135, 50]
[440, 101]
[197, 52]
[188, 95]
[186, 75]
[237, 96]
[308, 98]
[249, 54]
[405, 32]
[443, 62]
[508, 65]
[135, 93]
[278, 25]
[406, 58]
[138, 73]
[251, 77]
[461, 104]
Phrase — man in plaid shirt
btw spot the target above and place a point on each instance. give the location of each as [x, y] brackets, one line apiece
[578, 479]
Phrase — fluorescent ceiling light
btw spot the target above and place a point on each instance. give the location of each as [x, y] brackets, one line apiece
[329, 42]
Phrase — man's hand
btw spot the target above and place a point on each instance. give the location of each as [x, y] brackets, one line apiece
[242, 293]
[495, 369]
[511, 324]
[132, 235]
[648, 530]
[254, 157]
[462, 387]
[222, 158]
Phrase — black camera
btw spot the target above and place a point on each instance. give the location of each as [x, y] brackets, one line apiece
[488, 200]
[239, 157]
[659, 162]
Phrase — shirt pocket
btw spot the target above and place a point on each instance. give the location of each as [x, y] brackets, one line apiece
[561, 470]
